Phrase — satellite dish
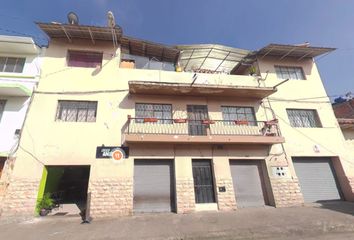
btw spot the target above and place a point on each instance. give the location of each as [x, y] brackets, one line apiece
[111, 20]
[73, 18]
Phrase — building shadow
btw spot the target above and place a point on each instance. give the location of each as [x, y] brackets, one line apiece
[338, 206]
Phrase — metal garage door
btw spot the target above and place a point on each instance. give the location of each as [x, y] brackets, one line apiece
[317, 179]
[153, 185]
[248, 183]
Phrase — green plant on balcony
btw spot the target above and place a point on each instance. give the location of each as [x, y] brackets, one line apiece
[252, 70]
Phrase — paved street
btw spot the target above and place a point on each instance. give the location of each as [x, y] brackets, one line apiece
[319, 221]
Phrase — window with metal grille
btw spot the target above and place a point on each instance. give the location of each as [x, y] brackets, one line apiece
[163, 112]
[12, 64]
[306, 118]
[84, 59]
[290, 72]
[2, 107]
[76, 111]
[231, 114]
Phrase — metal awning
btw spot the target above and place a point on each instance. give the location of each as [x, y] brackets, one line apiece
[206, 90]
[149, 49]
[134, 46]
[346, 123]
[210, 58]
[72, 31]
[295, 51]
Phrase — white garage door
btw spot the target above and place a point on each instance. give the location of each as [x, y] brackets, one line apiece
[317, 179]
[153, 185]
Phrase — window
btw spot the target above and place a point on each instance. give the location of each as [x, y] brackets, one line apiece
[159, 111]
[84, 59]
[76, 111]
[231, 114]
[290, 72]
[2, 107]
[303, 118]
[12, 64]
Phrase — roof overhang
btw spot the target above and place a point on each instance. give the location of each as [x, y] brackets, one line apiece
[14, 89]
[149, 49]
[294, 51]
[346, 123]
[73, 31]
[18, 45]
[206, 90]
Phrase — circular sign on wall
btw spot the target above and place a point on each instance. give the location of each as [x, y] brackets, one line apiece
[118, 154]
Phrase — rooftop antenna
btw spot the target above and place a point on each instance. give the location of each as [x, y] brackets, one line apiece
[73, 18]
[111, 24]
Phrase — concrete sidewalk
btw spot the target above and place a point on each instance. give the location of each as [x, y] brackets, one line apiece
[320, 221]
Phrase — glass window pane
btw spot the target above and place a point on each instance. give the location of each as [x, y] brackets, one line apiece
[19, 65]
[10, 64]
[2, 63]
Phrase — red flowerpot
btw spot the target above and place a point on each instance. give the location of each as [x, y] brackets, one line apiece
[207, 122]
[180, 120]
[150, 120]
[241, 122]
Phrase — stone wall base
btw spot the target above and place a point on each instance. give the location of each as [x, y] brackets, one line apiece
[185, 195]
[111, 197]
[20, 198]
[286, 192]
[226, 200]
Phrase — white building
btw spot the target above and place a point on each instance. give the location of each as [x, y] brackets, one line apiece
[19, 74]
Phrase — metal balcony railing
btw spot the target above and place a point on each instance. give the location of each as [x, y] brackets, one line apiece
[201, 127]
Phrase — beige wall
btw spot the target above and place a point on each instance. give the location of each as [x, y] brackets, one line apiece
[49, 142]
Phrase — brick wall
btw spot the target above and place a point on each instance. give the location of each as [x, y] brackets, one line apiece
[111, 197]
[226, 200]
[20, 198]
[286, 192]
[185, 195]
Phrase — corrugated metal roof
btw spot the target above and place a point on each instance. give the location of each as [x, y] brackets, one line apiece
[296, 51]
[210, 57]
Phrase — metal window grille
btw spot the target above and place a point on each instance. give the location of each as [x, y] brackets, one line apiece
[84, 59]
[12, 64]
[2, 107]
[163, 112]
[303, 118]
[290, 72]
[76, 111]
[231, 114]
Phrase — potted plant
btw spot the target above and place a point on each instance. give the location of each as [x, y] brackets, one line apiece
[180, 120]
[208, 121]
[241, 122]
[151, 120]
[252, 70]
[44, 205]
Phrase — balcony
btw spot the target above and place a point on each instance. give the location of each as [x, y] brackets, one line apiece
[182, 131]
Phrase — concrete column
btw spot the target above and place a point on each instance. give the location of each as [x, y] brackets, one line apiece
[223, 180]
[185, 198]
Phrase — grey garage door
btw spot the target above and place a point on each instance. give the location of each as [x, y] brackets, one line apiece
[248, 183]
[317, 179]
[153, 185]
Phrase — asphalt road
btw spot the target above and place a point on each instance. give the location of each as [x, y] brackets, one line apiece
[321, 221]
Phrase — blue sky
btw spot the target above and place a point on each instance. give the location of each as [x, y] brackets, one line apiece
[249, 24]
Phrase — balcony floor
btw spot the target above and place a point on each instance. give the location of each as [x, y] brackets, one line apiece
[211, 139]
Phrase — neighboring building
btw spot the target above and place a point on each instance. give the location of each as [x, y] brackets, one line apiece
[345, 115]
[214, 137]
[19, 74]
